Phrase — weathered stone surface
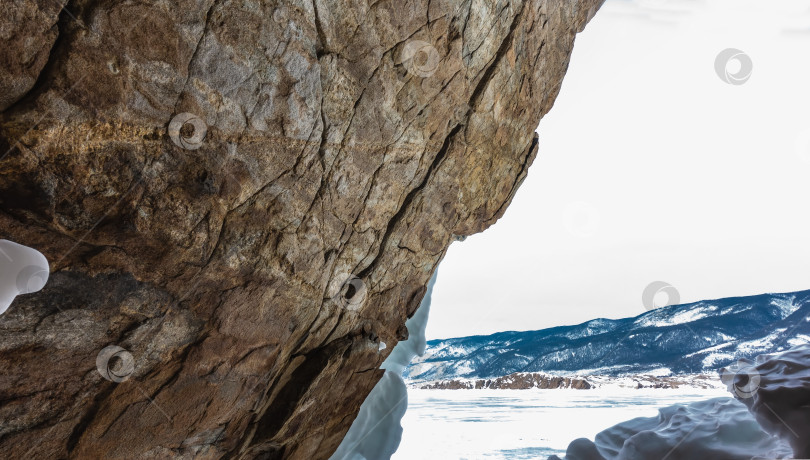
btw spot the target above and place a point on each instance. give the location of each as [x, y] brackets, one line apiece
[340, 138]
[28, 31]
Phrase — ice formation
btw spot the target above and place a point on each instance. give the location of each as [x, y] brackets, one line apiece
[770, 420]
[22, 271]
[376, 432]
[776, 390]
[716, 428]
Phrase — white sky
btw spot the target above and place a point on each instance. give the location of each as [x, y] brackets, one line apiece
[652, 168]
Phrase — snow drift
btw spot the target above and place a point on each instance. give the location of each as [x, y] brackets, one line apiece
[716, 428]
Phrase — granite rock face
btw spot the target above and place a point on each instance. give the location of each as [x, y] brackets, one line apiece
[240, 200]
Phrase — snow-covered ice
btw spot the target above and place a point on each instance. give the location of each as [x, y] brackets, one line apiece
[523, 424]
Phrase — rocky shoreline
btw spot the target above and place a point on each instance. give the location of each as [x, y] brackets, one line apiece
[529, 380]
[517, 381]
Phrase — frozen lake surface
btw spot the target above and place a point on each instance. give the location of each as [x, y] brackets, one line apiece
[522, 424]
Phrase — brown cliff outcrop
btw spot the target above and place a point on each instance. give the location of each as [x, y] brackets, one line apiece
[204, 176]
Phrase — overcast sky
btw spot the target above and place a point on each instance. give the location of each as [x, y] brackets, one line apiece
[651, 167]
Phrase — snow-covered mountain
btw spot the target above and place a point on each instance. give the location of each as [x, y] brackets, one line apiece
[689, 338]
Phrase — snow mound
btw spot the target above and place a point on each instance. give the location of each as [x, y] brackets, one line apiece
[22, 271]
[716, 428]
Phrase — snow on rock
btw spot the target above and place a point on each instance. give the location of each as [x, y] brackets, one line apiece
[689, 314]
[787, 304]
[22, 271]
[776, 389]
[376, 432]
[716, 428]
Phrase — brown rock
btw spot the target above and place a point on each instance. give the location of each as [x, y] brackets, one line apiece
[449, 385]
[327, 138]
[28, 31]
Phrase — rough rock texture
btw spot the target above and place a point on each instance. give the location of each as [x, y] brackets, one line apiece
[328, 138]
[28, 31]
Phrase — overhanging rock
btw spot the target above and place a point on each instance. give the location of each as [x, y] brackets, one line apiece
[246, 197]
